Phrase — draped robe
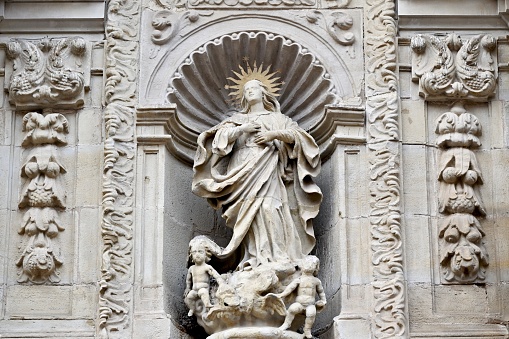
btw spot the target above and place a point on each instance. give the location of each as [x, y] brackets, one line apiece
[266, 192]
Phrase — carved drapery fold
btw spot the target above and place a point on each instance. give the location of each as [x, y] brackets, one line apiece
[42, 197]
[463, 257]
[122, 48]
[382, 106]
[453, 68]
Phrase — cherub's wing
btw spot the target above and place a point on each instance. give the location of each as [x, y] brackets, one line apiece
[274, 303]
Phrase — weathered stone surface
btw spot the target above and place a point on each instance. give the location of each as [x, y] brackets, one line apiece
[100, 112]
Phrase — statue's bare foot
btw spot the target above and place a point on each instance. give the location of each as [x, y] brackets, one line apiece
[283, 327]
[190, 313]
[307, 334]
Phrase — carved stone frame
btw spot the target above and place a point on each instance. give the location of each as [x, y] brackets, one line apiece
[115, 313]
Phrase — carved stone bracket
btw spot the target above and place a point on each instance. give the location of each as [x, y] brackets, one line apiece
[48, 72]
[463, 257]
[42, 196]
[454, 68]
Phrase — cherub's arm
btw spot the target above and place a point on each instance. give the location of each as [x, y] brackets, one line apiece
[189, 281]
[290, 288]
[321, 293]
[213, 273]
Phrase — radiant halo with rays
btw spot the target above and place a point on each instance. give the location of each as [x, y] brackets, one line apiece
[253, 73]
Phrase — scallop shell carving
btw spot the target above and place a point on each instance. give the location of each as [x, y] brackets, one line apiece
[198, 86]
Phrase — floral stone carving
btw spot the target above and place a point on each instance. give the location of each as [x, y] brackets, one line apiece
[258, 167]
[452, 67]
[43, 195]
[47, 72]
[463, 256]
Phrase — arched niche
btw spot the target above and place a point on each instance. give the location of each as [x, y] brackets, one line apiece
[310, 89]
[317, 93]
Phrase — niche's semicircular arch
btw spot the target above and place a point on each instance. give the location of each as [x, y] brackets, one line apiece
[198, 85]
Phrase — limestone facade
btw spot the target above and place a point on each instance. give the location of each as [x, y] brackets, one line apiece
[101, 107]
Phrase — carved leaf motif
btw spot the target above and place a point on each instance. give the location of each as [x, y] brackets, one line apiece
[28, 68]
[44, 220]
[122, 48]
[441, 74]
[382, 111]
[463, 256]
[43, 187]
[39, 262]
[475, 65]
[47, 72]
[48, 129]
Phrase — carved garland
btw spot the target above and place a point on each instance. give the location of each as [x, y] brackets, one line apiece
[122, 48]
[390, 315]
[42, 197]
[463, 256]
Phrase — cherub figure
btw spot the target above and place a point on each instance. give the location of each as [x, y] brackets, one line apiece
[198, 275]
[307, 285]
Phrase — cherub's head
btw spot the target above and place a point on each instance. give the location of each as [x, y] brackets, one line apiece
[310, 264]
[199, 251]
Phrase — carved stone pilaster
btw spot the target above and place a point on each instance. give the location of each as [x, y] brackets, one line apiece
[122, 49]
[48, 72]
[390, 314]
[451, 67]
[463, 257]
[42, 197]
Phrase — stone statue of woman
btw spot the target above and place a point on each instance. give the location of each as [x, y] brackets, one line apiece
[257, 166]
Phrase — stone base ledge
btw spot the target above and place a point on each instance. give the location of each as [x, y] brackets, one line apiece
[256, 333]
[68, 328]
[459, 331]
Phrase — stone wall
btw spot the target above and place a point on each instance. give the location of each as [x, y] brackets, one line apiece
[407, 101]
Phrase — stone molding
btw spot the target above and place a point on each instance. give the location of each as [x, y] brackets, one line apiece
[390, 316]
[122, 49]
[32, 17]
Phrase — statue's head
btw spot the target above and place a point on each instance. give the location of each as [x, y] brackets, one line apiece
[270, 102]
[198, 247]
[310, 264]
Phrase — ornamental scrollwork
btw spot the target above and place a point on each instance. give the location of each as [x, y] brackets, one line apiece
[452, 67]
[463, 255]
[47, 72]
